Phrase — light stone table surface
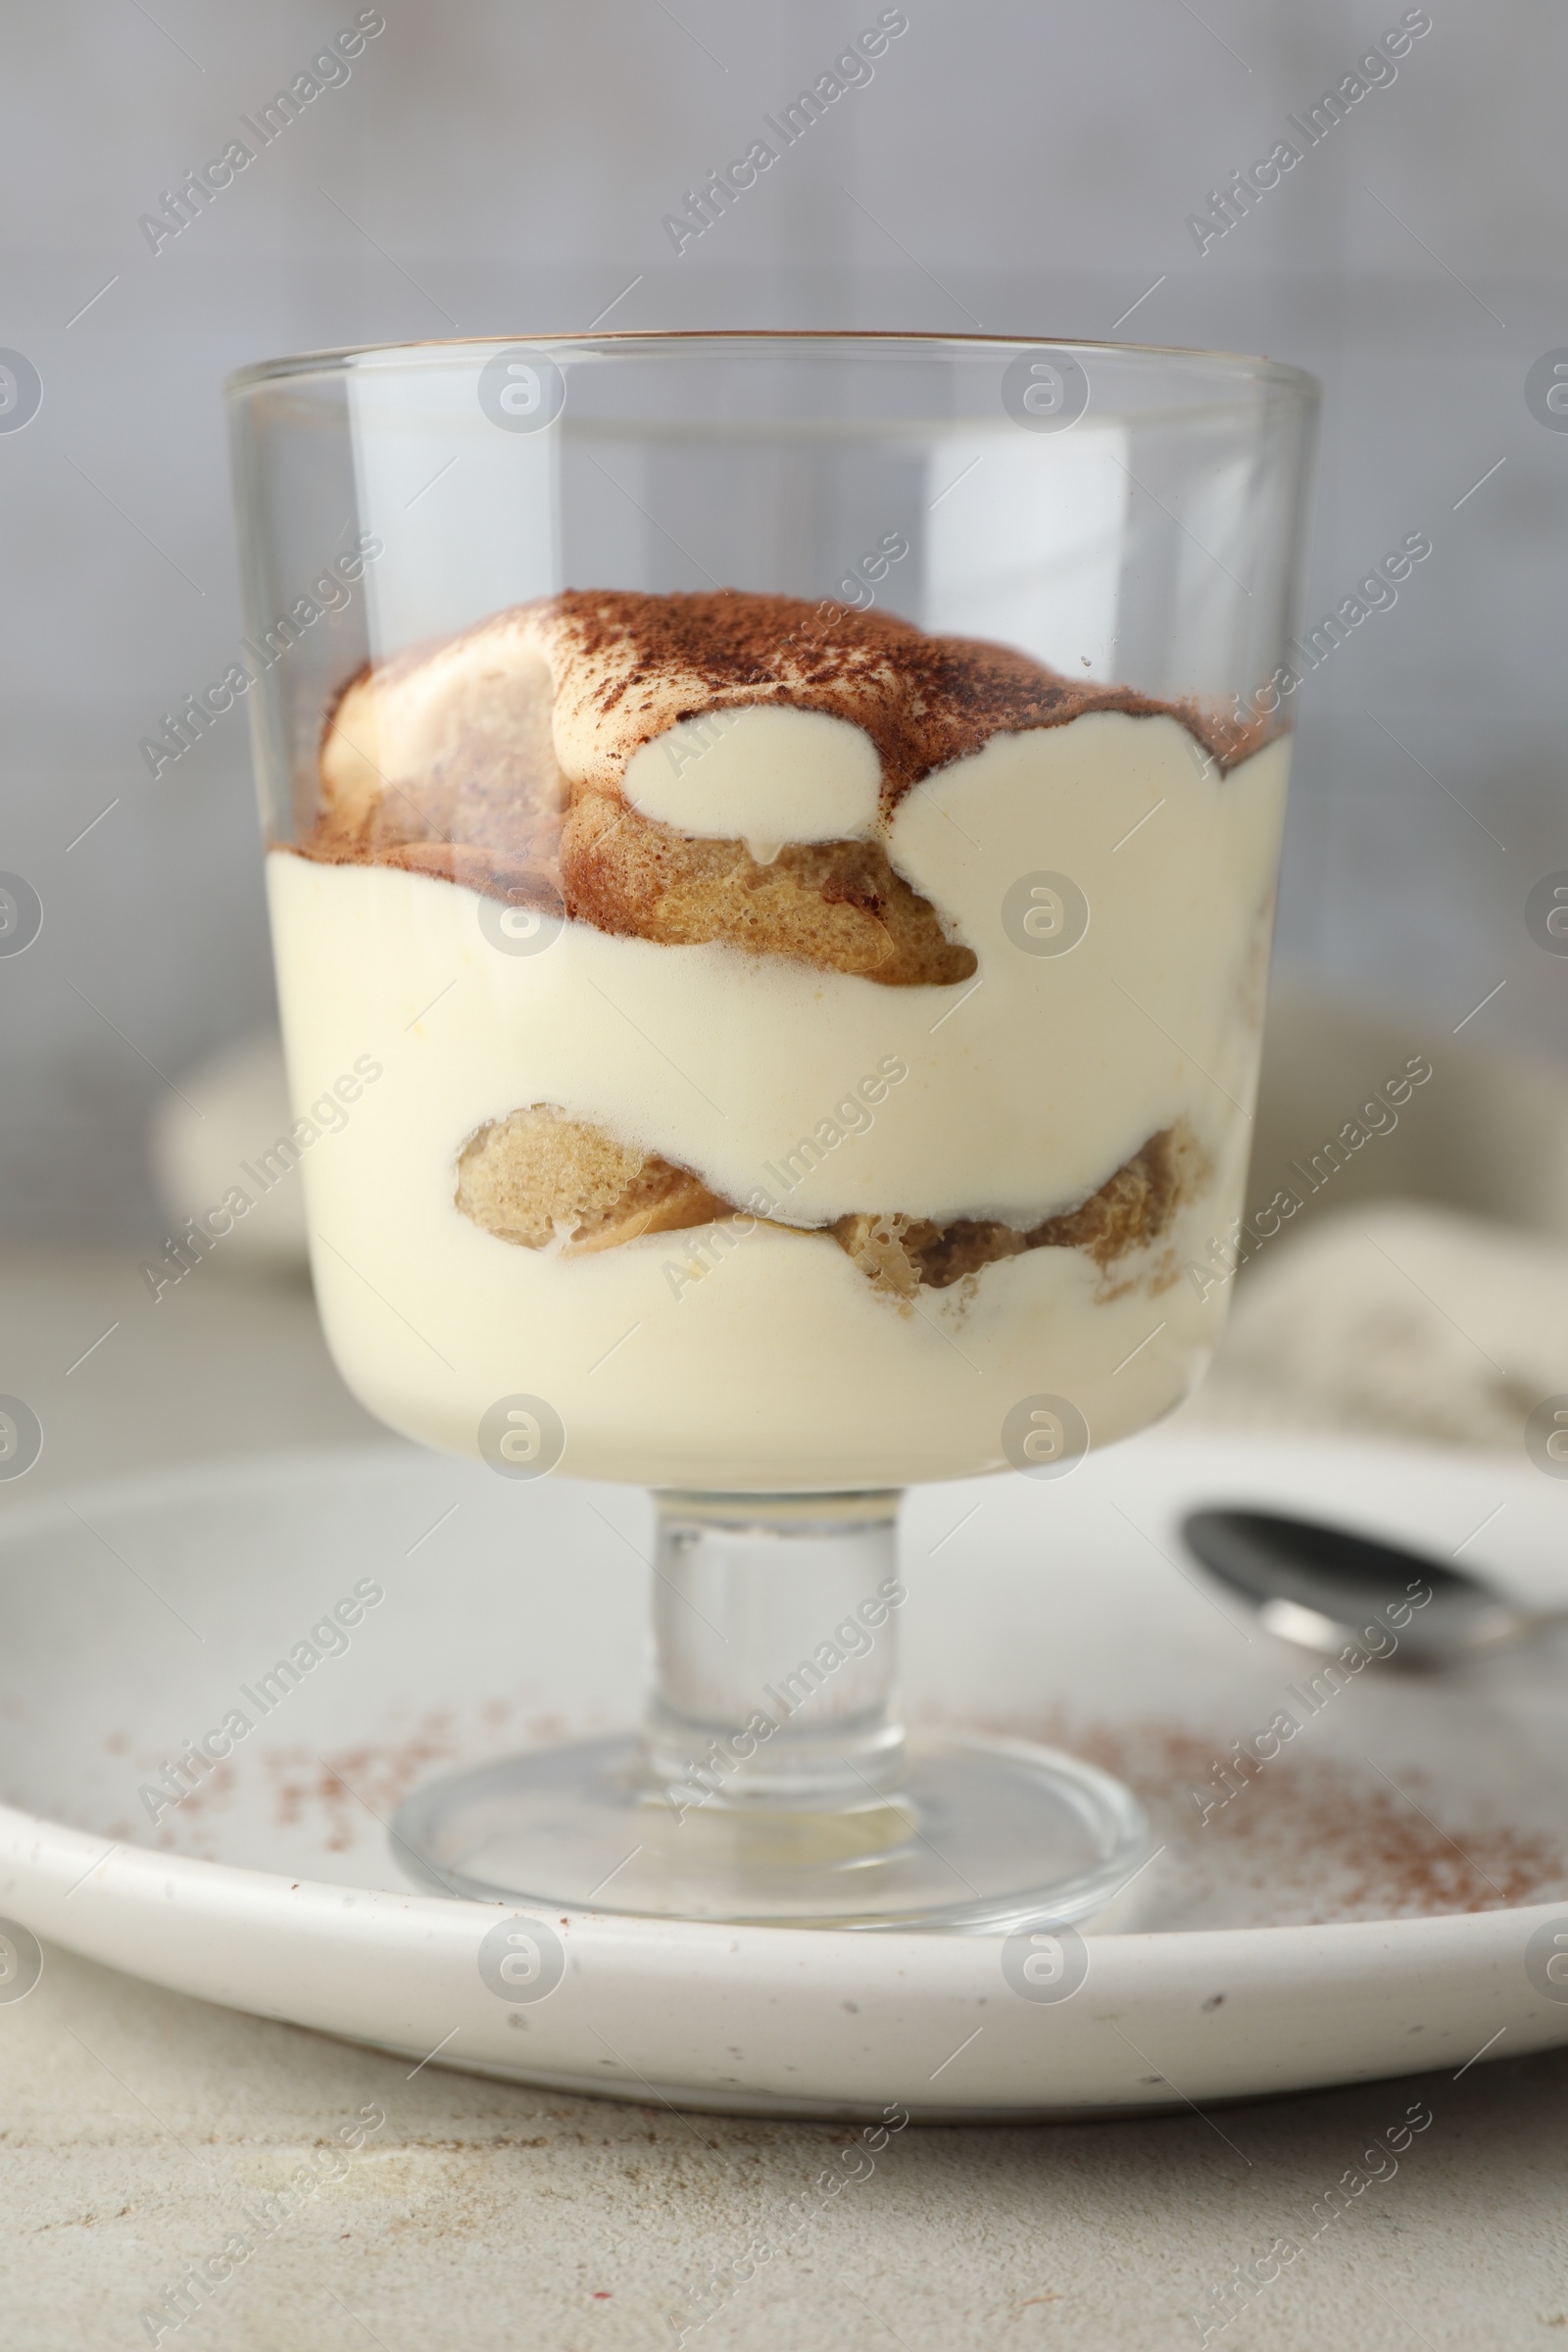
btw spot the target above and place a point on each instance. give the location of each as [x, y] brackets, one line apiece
[136, 2126]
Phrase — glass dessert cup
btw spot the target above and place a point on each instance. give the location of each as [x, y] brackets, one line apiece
[771, 851]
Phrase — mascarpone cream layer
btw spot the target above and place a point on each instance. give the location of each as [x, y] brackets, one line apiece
[772, 1362]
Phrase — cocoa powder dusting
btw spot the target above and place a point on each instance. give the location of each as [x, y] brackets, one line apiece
[445, 760]
[353, 1791]
[924, 701]
[1303, 1839]
[1311, 1839]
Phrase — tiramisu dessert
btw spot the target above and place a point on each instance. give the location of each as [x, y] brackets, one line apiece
[805, 1039]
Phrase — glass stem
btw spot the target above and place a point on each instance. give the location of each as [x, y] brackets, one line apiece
[774, 1622]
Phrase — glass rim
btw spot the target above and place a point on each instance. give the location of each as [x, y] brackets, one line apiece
[1243, 366]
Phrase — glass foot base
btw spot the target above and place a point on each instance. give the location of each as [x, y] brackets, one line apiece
[982, 1836]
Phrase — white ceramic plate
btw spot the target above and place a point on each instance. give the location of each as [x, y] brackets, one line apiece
[1380, 1896]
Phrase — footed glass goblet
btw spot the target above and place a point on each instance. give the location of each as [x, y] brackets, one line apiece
[772, 846]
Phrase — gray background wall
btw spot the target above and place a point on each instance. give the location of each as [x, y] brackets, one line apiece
[1024, 165]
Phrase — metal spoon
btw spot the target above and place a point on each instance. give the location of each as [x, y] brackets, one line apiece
[1325, 1587]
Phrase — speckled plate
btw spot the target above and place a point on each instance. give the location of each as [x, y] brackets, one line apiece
[1383, 1893]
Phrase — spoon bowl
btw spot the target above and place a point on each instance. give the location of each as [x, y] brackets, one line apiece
[1326, 1588]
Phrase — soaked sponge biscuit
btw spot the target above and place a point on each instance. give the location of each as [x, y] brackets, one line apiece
[498, 758]
[835, 904]
[451, 744]
[1132, 1210]
[442, 761]
[539, 1176]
